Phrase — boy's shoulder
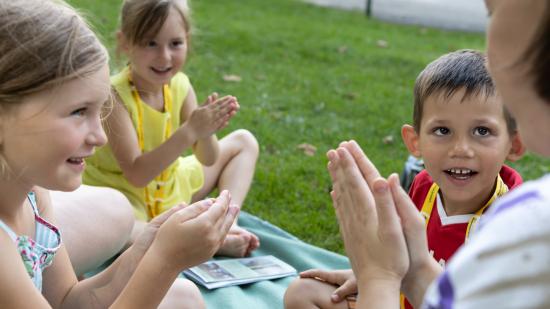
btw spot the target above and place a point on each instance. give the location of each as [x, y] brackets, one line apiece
[510, 177]
[420, 187]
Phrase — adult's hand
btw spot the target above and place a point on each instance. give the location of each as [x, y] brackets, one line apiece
[423, 268]
[369, 224]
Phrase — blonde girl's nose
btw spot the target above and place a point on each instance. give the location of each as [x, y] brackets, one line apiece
[96, 136]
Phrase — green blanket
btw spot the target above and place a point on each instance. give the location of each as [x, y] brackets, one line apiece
[269, 294]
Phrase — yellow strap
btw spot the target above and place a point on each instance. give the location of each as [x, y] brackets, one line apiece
[153, 207]
[428, 205]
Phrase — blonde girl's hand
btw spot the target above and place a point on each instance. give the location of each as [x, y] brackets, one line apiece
[193, 234]
[368, 218]
[143, 242]
[344, 279]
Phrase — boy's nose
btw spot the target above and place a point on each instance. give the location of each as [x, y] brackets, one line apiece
[461, 148]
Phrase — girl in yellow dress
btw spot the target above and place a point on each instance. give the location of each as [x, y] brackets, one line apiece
[155, 118]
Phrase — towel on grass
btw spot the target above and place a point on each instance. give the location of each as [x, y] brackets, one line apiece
[269, 294]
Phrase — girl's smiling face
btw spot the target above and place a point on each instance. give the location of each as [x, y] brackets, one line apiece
[47, 136]
[155, 63]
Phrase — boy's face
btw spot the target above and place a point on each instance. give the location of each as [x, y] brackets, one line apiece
[463, 144]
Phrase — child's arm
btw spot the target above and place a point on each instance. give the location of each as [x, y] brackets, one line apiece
[140, 277]
[206, 149]
[141, 168]
[16, 287]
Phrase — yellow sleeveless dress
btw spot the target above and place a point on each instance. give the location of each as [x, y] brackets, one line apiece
[185, 175]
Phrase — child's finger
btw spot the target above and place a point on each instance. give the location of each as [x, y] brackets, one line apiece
[194, 210]
[160, 219]
[349, 287]
[388, 220]
[229, 219]
[321, 274]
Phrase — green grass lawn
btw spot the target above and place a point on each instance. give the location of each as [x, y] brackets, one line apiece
[309, 75]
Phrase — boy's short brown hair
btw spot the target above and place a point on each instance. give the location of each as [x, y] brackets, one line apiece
[463, 69]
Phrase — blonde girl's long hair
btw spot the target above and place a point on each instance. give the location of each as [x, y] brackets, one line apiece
[43, 43]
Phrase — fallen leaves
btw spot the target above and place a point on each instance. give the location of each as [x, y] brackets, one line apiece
[232, 78]
[382, 43]
[308, 149]
[388, 140]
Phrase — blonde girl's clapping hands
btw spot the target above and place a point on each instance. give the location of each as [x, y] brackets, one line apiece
[183, 236]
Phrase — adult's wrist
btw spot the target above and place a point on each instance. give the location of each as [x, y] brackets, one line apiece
[417, 281]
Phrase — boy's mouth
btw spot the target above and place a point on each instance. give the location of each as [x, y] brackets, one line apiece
[460, 173]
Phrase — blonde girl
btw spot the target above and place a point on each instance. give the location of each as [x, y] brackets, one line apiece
[54, 80]
[156, 118]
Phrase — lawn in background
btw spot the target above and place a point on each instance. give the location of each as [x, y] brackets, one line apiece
[307, 78]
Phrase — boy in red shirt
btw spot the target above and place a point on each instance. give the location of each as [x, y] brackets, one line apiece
[464, 135]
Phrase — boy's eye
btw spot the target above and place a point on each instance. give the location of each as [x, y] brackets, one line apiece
[79, 112]
[482, 131]
[441, 131]
[151, 44]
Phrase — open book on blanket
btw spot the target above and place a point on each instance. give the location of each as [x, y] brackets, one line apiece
[221, 273]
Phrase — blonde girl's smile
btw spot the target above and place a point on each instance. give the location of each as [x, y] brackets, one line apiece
[34, 150]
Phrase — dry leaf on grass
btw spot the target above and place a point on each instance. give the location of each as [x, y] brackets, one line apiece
[382, 43]
[308, 149]
[388, 139]
[232, 78]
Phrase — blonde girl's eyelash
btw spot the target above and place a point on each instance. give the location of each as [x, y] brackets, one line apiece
[79, 111]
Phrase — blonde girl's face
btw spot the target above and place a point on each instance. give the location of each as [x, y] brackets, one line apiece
[163, 56]
[512, 29]
[47, 137]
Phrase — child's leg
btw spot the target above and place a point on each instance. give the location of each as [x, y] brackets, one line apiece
[233, 171]
[183, 294]
[95, 223]
[310, 293]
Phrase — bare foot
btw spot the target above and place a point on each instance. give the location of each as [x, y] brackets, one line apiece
[238, 243]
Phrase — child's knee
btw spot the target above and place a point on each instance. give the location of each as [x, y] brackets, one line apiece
[296, 295]
[183, 289]
[247, 140]
[118, 211]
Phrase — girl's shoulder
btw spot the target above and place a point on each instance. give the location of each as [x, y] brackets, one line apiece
[41, 199]
[180, 86]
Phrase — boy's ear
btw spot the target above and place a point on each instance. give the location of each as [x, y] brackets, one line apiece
[517, 150]
[410, 138]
